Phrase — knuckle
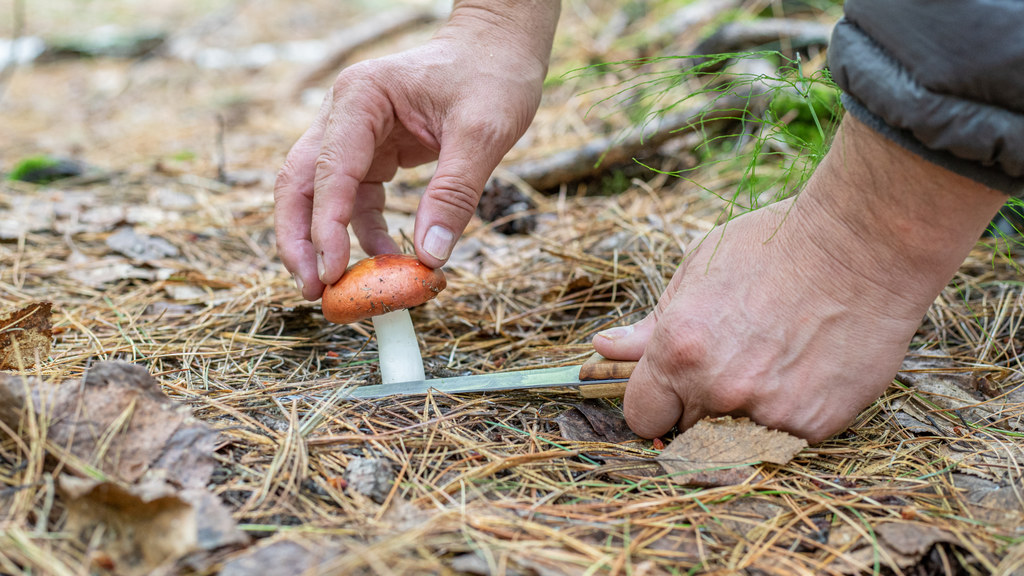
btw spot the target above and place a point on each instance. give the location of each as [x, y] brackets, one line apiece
[353, 76]
[456, 194]
[286, 183]
[327, 159]
[489, 132]
[330, 174]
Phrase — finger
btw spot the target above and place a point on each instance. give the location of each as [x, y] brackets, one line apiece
[650, 406]
[368, 220]
[360, 119]
[453, 193]
[293, 206]
[630, 342]
[625, 342]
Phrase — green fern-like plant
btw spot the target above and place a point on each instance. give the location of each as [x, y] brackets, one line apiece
[782, 122]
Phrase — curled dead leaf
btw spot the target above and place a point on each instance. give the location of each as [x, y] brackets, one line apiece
[141, 528]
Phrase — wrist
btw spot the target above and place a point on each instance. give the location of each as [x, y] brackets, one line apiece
[899, 213]
[525, 28]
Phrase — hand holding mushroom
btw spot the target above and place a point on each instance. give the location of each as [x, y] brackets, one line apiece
[463, 99]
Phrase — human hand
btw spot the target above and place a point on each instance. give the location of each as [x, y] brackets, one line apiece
[464, 98]
[799, 314]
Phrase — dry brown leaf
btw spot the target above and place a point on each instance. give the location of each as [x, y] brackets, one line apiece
[720, 451]
[119, 421]
[281, 558]
[146, 526]
[991, 502]
[25, 335]
[573, 425]
[140, 247]
[143, 528]
[897, 545]
[950, 389]
[594, 421]
[607, 420]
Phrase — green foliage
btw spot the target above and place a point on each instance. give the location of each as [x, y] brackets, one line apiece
[183, 156]
[769, 129]
[1005, 234]
[30, 165]
[802, 113]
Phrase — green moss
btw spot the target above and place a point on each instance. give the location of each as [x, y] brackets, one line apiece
[24, 169]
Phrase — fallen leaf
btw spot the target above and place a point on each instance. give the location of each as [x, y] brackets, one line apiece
[100, 218]
[144, 527]
[573, 425]
[184, 292]
[25, 335]
[155, 507]
[31, 212]
[594, 420]
[118, 420]
[744, 515]
[282, 558]
[990, 502]
[215, 524]
[897, 545]
[141, 247]
[96, 273]
[720, 451]
[950, 388]
[607, 420]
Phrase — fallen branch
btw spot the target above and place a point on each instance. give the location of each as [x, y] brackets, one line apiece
[689, 19]
[737, 36]
[596, 156]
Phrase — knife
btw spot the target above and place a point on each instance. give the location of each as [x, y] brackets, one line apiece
[598, 377]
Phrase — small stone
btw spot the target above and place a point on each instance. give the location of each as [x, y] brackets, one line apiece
[371, 477]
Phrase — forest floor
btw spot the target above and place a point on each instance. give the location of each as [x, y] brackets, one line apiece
[165, 393]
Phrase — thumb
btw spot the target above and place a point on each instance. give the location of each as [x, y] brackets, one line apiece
[625, 342]
[629, 342]
[451, 198]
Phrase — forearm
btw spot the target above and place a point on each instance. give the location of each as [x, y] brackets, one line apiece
[525, 26]
[922, 219]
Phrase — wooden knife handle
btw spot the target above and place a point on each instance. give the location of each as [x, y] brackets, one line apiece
[598, 367]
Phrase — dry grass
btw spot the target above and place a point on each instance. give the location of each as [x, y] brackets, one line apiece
[486, 484]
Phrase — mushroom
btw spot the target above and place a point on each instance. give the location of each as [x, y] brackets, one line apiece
[384, 287]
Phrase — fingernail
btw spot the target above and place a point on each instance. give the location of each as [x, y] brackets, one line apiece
[321, 270]
[438, 242]
[298, 282]
[617, 332]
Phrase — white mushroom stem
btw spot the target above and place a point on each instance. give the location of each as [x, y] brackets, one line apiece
[397, 347]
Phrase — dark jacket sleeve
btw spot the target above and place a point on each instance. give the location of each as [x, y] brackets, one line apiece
[943, 78]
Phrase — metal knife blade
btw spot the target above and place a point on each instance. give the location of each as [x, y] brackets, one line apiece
[597, 378]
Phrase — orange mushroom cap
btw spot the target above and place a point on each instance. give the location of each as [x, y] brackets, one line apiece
[380, 284]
